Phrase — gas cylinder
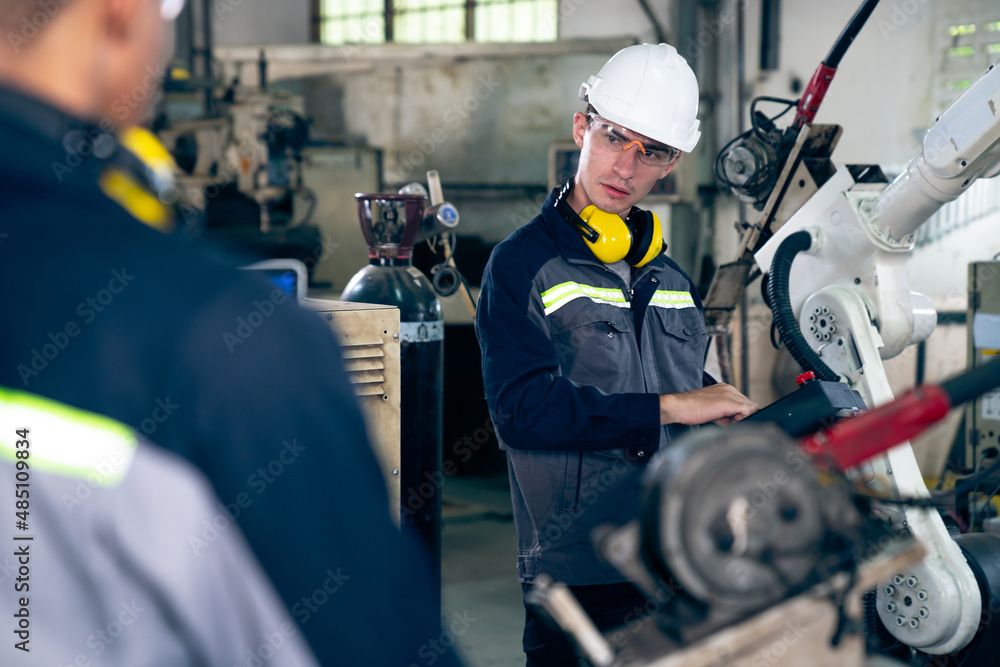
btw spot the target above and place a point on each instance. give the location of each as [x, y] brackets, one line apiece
[391, 224]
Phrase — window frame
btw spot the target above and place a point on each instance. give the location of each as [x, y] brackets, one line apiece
[389, 13]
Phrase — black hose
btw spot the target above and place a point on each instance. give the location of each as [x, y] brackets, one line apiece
[850, 32]
[781, 306]
[972, 384]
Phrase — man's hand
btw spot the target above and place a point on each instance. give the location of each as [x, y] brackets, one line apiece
[721, 403]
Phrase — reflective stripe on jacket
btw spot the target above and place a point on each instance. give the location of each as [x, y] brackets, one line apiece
[129, 557]
[573, 362]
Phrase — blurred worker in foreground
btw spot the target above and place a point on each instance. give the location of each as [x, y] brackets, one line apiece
[169, 497]
[594, 340]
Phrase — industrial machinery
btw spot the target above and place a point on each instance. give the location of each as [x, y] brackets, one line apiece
[845, 305]
[241, 167]
[982, 416]
[754, 548]
[834, 240]
[392, 224]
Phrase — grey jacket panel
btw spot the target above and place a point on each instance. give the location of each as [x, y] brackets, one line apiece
[150, 572]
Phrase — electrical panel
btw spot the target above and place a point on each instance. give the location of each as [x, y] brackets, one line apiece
[369, 342]
[982, 416]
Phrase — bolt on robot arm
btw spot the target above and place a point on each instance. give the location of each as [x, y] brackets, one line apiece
[848, 306]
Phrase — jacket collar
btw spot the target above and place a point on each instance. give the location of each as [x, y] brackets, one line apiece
[572, 246]
[48, 135]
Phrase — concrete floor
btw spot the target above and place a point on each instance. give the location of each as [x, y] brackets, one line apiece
[479, 572]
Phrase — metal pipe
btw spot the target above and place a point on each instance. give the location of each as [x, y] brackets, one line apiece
[744, 301]
[850, 32]
[207, 42]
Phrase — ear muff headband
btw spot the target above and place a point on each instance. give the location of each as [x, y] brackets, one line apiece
[141, 179]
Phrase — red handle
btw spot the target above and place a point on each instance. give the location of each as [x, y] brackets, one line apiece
[814, 94]
[855, 440]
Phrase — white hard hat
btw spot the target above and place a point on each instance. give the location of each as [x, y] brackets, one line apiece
[649, 89]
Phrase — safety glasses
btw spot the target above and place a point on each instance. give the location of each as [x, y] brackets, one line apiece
[171, 9]
[612, 138]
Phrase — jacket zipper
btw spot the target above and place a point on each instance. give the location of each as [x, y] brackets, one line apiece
[579, 477]
[642, 350]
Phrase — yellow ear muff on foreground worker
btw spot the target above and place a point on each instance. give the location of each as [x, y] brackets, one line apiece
[142, 179]
[611, 239]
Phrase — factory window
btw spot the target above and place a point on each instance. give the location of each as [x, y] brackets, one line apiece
[967, 43]
[961, 51]
[428, 21]
[435, 21]
[352, 21]
[966, 29]
[515, 21]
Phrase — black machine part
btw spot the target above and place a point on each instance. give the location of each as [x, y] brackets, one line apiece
[982, 551]
[781, 307]
[749, 165]
[815, 405]
[738, 518]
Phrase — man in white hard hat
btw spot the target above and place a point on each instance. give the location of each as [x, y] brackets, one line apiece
[594, 341]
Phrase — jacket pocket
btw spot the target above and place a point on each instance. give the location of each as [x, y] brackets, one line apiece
[679, 344]
[571, 486]
[595, 345]
[684, 324]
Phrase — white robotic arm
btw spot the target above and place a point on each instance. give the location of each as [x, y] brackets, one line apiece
[850, 295]
[961, 146]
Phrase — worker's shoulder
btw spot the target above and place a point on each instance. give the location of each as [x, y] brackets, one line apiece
[670, 274]
[525, 251]
[169, 278]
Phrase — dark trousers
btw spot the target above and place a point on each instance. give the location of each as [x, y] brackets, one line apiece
[607, 605]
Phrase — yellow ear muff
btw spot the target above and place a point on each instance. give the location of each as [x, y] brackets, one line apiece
[655, 243]
[615, 238]
[147, 197]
